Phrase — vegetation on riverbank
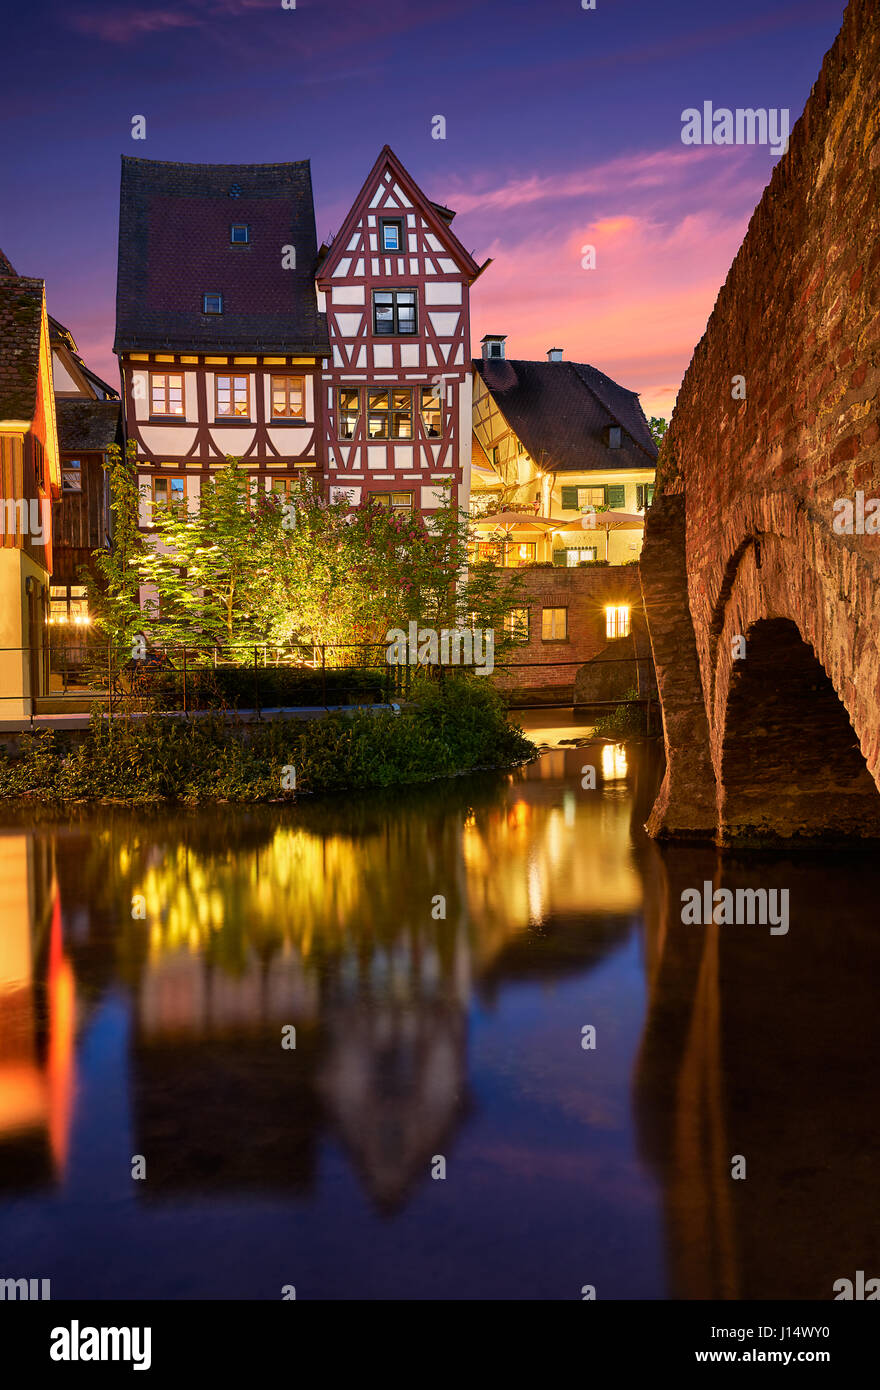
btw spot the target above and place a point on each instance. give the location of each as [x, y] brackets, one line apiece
[628, 720]
[458, 726]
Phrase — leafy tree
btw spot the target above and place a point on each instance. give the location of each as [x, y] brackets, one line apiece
[113, 586]
[210, 565]
[658, 427]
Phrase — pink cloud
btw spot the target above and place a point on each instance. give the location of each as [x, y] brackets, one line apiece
[664, 239]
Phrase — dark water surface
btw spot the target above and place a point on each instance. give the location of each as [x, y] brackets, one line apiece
[148, 964]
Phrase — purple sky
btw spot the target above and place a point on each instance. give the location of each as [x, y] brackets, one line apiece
[563, 129]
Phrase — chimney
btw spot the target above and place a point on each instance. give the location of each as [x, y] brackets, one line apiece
[493, 346]
[554, 354]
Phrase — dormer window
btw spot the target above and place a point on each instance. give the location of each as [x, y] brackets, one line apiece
[493, 346]
[239, 234]
[391, 230]
[613, 436]
[212, 304]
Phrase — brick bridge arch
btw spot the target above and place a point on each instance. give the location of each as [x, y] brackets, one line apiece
[740, 540]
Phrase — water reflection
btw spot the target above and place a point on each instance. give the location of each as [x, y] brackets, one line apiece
[437, 952]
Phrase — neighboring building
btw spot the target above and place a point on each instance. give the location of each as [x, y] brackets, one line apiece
[89, 418]
[397, 396]
[30, 478]
[218, 333]
[561, 440]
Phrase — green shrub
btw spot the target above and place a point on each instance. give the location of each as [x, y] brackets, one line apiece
[456, 726]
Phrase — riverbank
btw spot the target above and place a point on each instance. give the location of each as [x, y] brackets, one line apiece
[457, 727]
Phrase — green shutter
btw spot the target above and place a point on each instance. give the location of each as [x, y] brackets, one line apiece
[569, 499]
[616, 495]
[559, 556]
[650, 488]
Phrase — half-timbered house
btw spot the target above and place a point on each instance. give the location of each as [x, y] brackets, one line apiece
[88, 412]
[397, 391]
[218, 332]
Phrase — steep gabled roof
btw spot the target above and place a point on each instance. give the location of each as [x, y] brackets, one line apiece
[174, 247]
[6, 266]
[86, 426]
[561, 410]
[62, 341]
[21, 319]
[436, 219]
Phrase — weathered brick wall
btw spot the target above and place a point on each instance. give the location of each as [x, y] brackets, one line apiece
[585, 593]
[742, 532]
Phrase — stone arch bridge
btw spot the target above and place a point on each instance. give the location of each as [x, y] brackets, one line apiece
[777, 736]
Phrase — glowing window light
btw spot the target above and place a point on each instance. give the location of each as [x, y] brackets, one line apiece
[614, 765]
[616, 621]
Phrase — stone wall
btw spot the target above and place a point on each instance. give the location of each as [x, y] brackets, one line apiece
[741, 532]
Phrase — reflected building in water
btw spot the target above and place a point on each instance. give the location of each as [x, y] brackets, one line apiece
[37, 1011]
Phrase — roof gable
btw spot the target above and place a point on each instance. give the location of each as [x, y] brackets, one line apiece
[389, 189]
[561, 410]
[175, 246]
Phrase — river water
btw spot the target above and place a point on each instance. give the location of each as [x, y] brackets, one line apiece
[436, 956]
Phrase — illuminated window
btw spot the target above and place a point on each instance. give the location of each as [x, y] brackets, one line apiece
[392, 501]
[212, 304]
[239, 234]
[576, 555]
[521, 553]
[394, 312]
[166, 394]
[288, 397]
[644, 495]
[169, 492]
[286, 485]
[389, 414]
[432, 411]
[348, 412]
[232, 396]
[616, 621]
[392, 235]
[71, 476]
[554, 624]
[518, 624]
[68, 605]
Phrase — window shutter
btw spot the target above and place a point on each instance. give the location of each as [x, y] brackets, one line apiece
[616, 494]
[640, 495]
[569, 499]
[650, 491]
[559, 556]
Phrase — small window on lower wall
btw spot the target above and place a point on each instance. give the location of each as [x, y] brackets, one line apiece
[518, 624]
[554, 624]
[169, 493]
[616, 621]
[392, 501]
[287, 485]
[68, 605]
[71, 475]
[579, 555]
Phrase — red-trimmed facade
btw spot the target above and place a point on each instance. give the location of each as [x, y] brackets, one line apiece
[396, 403]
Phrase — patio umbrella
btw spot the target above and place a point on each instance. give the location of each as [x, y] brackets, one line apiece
[508, 522]
[608, 522]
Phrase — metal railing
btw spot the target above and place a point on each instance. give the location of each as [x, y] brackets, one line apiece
[183, 678]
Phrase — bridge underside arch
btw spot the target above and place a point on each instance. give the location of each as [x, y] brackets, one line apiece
[791, 765]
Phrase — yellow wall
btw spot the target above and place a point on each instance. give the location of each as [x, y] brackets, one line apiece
[15, 568]
[524, 480]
